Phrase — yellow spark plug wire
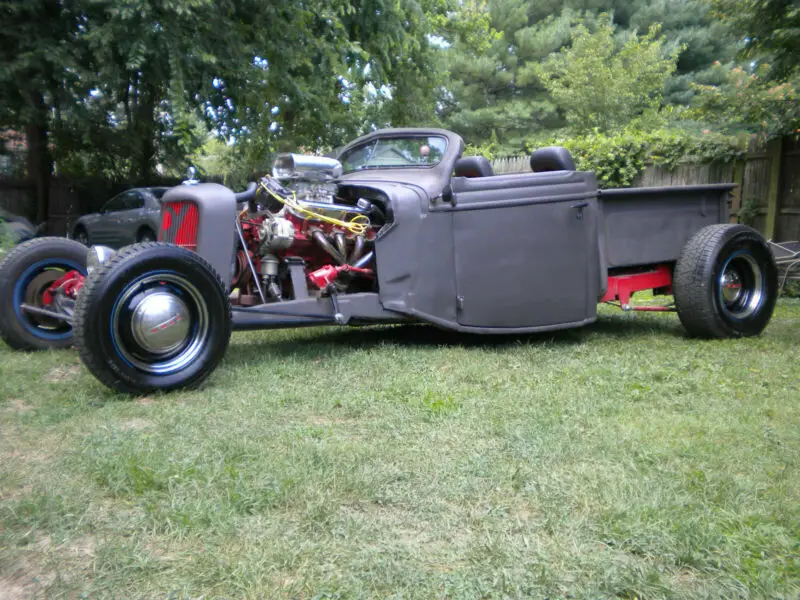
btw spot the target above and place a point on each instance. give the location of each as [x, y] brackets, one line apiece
[358, 225]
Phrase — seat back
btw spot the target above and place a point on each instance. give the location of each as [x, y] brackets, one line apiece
[552, 158]
[473, 166]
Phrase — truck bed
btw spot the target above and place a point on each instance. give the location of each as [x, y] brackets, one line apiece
[645, 226]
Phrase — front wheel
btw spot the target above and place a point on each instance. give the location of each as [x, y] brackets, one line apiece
[154, 317]
[725, 282]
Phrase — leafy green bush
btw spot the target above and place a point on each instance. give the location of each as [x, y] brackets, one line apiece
[5, 239]
[748, 211]
[618, 158]
[791, 289]
[490, 149]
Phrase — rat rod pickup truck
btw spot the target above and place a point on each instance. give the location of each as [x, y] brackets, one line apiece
[399, 228]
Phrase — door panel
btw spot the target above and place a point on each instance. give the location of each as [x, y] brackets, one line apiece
[129, 219]
[103, 231]
[523, 254]
[532, 271]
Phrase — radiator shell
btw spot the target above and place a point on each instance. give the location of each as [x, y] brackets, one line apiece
[216, 223]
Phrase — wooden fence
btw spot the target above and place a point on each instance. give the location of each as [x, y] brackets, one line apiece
[16, 196]
[69, 198]
[768, 179]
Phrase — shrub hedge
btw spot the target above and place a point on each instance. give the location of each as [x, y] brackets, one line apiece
[617, 158]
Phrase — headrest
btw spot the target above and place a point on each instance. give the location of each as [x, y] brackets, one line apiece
[552, 158]
[473, 166]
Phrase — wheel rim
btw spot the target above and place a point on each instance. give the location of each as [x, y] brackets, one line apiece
[741, 286]
[82, 238]
[160, 323]
[30, 288]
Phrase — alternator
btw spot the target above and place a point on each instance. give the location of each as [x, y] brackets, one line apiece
[276, 234]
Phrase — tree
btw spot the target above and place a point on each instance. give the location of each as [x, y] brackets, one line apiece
[601, 86]
[494, 87]
[749, 101]
[691, 26]
[39, 56]
[771, 30]
[489, 88]
[117, 87]
[760, 96]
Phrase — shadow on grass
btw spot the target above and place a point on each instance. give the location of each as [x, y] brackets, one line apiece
[330, 341]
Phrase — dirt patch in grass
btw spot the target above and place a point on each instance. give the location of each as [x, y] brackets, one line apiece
[30, 455]
[135, 423]
[15, 445]
[60, 374]
[81, 547]
[29, 576]
[32, 573]
[15, 493]
[319, 421]
[18, 405]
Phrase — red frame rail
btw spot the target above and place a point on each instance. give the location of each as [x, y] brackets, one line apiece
[621, 287]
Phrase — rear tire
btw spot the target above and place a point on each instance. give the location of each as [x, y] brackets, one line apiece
[25, 273]
[725, 282]
[154, 317]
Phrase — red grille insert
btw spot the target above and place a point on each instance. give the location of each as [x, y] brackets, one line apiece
[179, 224]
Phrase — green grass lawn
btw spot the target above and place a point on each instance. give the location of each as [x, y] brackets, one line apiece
[620, 460]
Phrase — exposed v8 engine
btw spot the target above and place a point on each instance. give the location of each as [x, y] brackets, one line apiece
[303, 225]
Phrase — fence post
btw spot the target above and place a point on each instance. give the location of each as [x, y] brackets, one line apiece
[738, 179]
[775, 151]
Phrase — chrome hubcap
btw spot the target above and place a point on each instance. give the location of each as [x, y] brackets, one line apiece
[731, 286]
[741, 286]
[161, 322]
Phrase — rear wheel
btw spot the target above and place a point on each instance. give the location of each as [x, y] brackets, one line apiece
[725, 282]
[154, 317]
[26, 273]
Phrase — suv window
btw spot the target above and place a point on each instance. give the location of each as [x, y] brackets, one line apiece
[124, 201]
[115, 204]
[152, 197]
[133, 200]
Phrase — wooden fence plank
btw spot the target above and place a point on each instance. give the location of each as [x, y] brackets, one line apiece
[773, 193]
[738, 179]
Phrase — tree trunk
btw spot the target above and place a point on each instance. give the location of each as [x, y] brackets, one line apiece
[144, 130]
[40, 163]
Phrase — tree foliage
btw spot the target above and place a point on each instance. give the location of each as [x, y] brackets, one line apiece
[749, 101]
[489, 89]
[601, 86]
[121, 87]
[761, 95]
[494, 86]
[771, 30]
